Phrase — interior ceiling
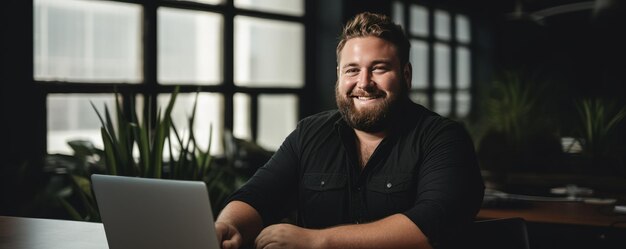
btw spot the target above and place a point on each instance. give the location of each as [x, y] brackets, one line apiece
[544, 12]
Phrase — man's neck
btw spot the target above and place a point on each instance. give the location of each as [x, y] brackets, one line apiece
[366, 144]
[369, 137]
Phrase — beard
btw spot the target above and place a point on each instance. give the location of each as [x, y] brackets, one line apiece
[375, 118]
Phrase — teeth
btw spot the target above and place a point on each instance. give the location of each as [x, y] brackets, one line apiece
[365, 98]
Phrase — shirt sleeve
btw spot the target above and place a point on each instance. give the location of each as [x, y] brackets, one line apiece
[450, 186]
[271, 189]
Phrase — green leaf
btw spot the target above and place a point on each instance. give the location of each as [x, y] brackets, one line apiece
[109, 152]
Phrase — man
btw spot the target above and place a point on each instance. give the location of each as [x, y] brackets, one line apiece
[379, 172]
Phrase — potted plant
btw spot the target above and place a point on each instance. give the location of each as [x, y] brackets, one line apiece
[519, 135]
[184, 160]
[598, 134]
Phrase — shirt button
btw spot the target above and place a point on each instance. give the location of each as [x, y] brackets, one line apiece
[322, 183]
[389, 185]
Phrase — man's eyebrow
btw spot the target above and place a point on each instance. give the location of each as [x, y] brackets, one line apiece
[354, 64]
[381, 61]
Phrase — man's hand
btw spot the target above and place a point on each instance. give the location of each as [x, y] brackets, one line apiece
[228, 236]
[288, 236]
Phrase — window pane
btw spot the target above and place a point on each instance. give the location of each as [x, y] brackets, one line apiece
[87, 41]
[420, 98]
[419, 61]
[419, 20]
[397, 11]
[241, 116]
[289, 7]
[463, 29]
[442, 25]
[463, 103]
[189, 47]
[71, 117]
[463, 67]
[278, 115]
[209, 113]
[268, 53]
[442, 103]
[442, 66]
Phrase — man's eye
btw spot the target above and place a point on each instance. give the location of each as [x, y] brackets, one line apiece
[352, 71]
[380, 69]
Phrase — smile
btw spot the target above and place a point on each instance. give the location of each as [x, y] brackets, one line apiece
[366, 97]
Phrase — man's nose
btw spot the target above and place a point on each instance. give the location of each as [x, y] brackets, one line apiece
[365, 79]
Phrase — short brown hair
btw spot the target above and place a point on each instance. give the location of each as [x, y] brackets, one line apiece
[377, 25]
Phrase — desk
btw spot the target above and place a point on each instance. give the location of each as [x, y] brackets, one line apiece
[31, 233]
[565, 213]
[572, 225]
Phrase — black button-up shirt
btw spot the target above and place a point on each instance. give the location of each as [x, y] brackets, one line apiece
[425, 169]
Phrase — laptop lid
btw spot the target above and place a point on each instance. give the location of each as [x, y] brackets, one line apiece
[154, 213]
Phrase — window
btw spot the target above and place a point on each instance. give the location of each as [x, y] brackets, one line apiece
[440, 55]
[246, 58]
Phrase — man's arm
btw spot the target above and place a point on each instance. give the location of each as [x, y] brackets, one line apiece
[395, 231]
[237, 225]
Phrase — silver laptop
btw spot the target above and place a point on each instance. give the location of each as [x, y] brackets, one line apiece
[154, 213]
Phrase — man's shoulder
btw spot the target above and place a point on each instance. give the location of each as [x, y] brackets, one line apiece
[322, 118]
[429, 120]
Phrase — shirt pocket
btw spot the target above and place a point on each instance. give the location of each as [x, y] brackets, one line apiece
[389, 194]
[324, 182]
[323, 199]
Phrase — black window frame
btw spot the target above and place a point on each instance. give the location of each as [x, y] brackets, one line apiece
[150, 88]
[431, 40]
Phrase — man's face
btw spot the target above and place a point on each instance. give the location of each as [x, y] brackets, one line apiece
[370, 82]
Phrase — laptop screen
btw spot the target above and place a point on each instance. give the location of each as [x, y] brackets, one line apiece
[154, 213]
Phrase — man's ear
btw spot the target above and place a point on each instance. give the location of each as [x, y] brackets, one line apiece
[408, 74]
[337, 72]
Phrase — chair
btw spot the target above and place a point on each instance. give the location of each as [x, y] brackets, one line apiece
[506, 233]
[509, 233]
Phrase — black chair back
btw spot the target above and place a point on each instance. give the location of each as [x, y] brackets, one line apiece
[509, 233]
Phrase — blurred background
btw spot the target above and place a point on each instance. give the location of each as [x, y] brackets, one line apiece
[540, 84]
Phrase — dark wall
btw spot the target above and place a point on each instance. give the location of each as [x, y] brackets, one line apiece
[328, 15]
[23, 126]
[573, 55]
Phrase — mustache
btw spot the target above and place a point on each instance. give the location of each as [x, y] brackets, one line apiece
[366, 93]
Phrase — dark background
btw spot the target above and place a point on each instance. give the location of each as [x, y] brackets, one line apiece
[570, 56]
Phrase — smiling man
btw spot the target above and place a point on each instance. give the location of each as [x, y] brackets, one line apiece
[379, 172]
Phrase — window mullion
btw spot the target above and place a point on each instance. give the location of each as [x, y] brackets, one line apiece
[453, 66]
[228, 61]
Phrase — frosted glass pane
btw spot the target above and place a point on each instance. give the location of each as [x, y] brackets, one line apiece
[397, 12]
[209, 113]
[87, 41]
[71, 117]
[278, 115]
[442, 25]
[289, 7]
[442, 103]
[463, 67]
[463, 103]
[241, 116]
[419, 61]
[268, 53]
[442, 66]
[463, 33]
[419, 20]
[420, 98]
[189, 47]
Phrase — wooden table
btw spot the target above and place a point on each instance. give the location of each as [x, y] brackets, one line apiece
[566, 213]
[31, 233]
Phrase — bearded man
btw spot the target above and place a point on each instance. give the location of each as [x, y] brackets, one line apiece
[379, 172]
